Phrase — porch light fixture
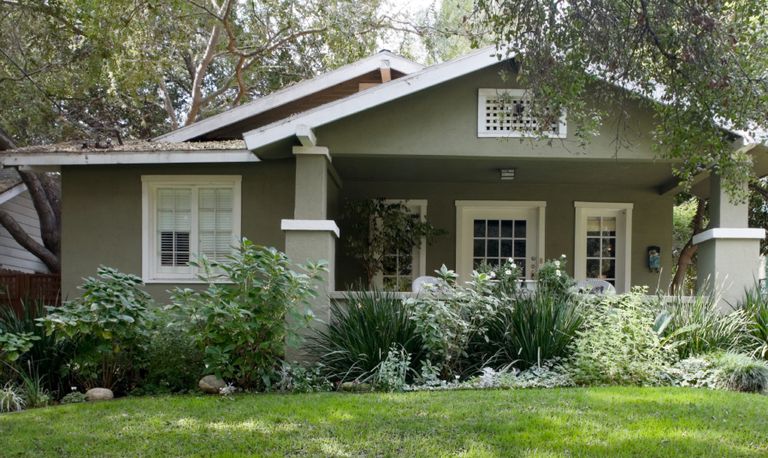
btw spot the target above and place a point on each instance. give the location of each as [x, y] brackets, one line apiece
[507, 174]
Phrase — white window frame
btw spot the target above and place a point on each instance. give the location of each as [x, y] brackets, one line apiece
[485, 93]
[623, 213]
[419, 254]
[149, 186]
[468, 210]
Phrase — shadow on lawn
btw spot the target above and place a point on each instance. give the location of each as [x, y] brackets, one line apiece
[600, 422]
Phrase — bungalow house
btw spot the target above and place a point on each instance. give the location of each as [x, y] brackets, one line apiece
[277, 171]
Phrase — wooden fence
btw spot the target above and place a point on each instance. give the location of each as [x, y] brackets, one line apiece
[18, 288]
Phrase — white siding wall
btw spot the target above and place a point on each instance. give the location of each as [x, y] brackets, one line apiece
[12, 255]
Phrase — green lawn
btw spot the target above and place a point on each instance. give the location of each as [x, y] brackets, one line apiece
[572, 422]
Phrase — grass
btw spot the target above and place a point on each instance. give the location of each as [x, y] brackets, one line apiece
[572, 422]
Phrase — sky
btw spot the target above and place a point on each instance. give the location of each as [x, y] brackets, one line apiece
[409, 8]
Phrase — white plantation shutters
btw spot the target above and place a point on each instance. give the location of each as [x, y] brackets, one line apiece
[174, 226]
[187, 216]
[215, 222]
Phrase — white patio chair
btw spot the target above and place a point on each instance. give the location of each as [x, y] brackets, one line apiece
[595, 286]
[419, 284]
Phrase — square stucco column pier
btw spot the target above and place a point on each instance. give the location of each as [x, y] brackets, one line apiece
[310, 236]
[729, 250]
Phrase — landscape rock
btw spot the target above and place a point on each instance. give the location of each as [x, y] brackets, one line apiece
[99, 394]
[211, 384]
[355, 387]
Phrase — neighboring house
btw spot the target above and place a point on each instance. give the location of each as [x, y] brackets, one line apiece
[15, 199]
[450, 140]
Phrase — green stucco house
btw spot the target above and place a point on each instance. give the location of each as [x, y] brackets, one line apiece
[441, 139]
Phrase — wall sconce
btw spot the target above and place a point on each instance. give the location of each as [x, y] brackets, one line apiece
[507, 174]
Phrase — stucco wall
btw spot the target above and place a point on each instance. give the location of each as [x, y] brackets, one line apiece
[101, 213]
[651, 216]
[442, 121]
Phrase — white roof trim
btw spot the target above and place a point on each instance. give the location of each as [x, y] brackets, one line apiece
[291, 93]
[370, 98]
[163, 157]
[12, 192]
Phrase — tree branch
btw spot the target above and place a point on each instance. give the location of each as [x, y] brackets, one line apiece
[50, 259]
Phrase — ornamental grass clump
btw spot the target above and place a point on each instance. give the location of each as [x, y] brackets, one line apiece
[698, 325]
[755, 307]
[739, 372]
[366, 325]
[532, 328]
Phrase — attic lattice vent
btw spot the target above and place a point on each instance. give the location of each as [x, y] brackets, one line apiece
[506, 113]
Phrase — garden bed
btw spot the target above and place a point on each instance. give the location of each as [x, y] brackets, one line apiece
[572, 421]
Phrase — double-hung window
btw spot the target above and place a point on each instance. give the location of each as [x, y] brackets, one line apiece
[184, 217]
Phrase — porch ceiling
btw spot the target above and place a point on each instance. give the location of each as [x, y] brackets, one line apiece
[527, 171]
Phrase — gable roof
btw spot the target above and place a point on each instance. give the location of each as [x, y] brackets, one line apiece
[395, 89]
[292, 93]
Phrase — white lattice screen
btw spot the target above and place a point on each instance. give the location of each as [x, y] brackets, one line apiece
[506, 113]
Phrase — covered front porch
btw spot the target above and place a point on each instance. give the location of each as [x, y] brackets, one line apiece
[611, 218]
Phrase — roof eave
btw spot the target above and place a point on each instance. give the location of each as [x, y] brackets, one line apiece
[131, 157]
[291, 93]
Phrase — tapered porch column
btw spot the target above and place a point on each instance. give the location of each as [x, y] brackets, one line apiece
[310, 236]
[728, 255]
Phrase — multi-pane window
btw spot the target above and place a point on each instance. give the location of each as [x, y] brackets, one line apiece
[508, 113]
[496, 240]
[400, 268]
[186, 217]
[601, 248]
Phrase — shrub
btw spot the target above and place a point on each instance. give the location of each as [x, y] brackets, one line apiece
[739, 372]
[530, 329]
[699, 326]
[172, 361]
[694, 371]
[12, 346]
[755, 307]
[618, 345]
[365, 326]
[74, 397]
[392, 372]
[11, 398]
[296, 378]
[450, 316]
[552, 279]
[45, 356]
[107, 326]
[253, 306]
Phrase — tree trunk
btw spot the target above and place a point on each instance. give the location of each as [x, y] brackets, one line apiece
[46, 197]
[689, 250]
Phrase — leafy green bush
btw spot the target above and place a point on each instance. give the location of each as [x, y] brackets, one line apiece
[698, 326]
[552, 279]
[12, 346]
[172, 362]
[107, 326]
[391, 374]
[11, 398]
[253, 306]
[365, 326]
[45, 356]
[739, 372]
[297, 378]
[533, 328]
[450, 316]
[75, 397]
[755, 307]
[618, 345]
[731, 371]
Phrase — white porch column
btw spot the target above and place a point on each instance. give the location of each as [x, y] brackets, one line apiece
[310, 236]
[728, 256]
